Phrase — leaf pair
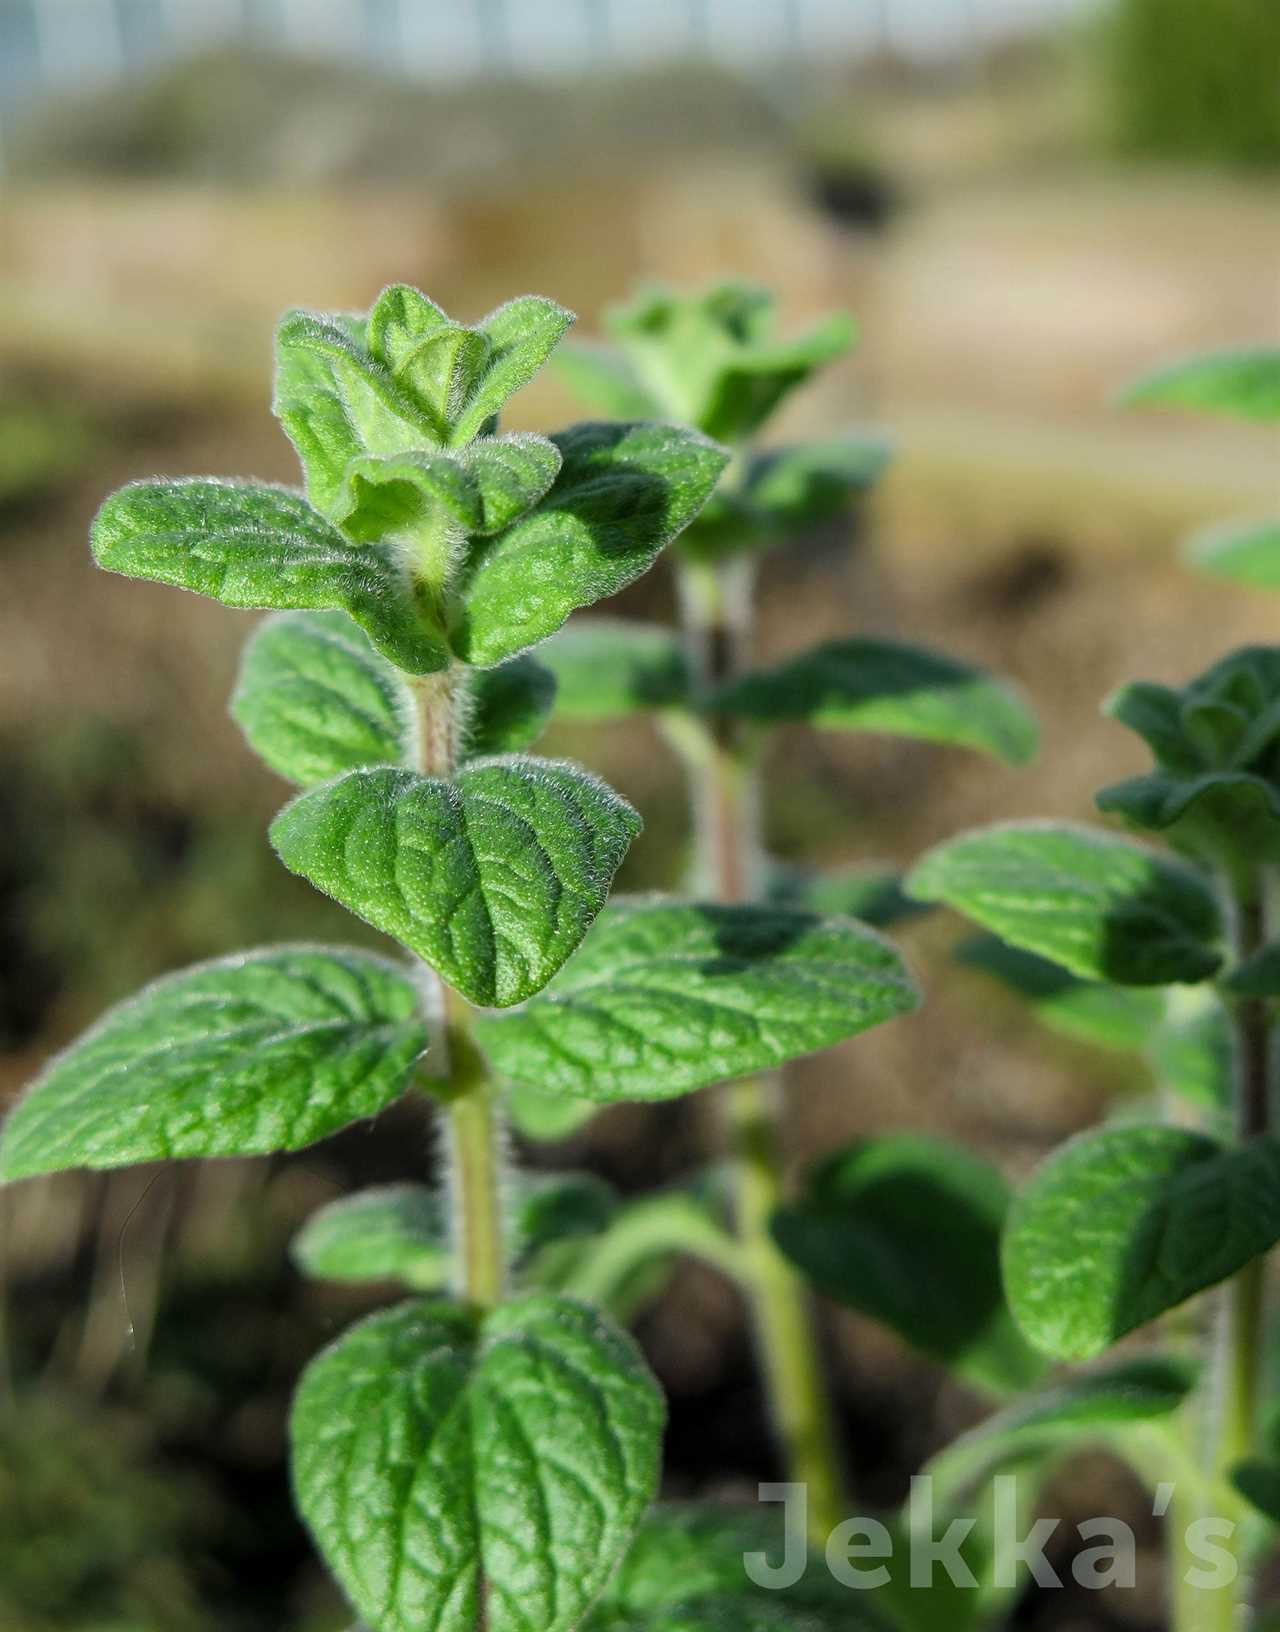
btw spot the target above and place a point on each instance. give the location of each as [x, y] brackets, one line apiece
[459, 1471]
[408, 578]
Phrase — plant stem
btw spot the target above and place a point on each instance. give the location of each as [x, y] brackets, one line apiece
[716, 605]
[1237, 1377]
[474, 1141]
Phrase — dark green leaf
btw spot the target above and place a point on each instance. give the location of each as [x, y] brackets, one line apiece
[492, 879]
[870, 892]
[1259, 1483]
[881, 685]
[623, 492]
[510, 705]
[259, 1052]
[456, 1470]
[1242, 552]
[668, 997]
[608, 667]
[249, 545]
[388, 1232]
[906, 1229]
[1119, 1017]
[1258, 976]
[1101, 907]
[799, 486]
[315, 699]
[1243, 381]
[1123, 1224]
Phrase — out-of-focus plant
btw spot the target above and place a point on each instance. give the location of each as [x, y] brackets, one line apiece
[1242, 383]
[1193, 79]
[714, 360]
[478, 1461]
[1127, 1223]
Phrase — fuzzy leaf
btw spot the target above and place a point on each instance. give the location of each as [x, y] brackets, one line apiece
[906, 1229]
[521, 334]
[1123, 1224]
[609, 667]
[623, 492]
[605, 380]
[336, 402]
[315, 699]
[511, 474]
[259, 1052]
[510, 706]
[1242, 552]
[1102, 908]
[492, 879]
[437, 361]
[1118, 1017]
[881, 685]
[418, 499]
[1243, 381]
[249, 545]
[668, 997]
[456, 1471]
[388, 1232]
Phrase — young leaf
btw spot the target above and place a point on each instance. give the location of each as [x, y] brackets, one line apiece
[1125, 1223]
[1242, 552]
[623, 493]
[458, 1471]
[1243, 381]
[511, 474]
[906, 1229]
[1101, 907]
[881, 685]
[335, 401]
[521, 334]
[315, 699]
[668, 997]
[389, 1232]
[606, 668]
[604, 379]
[1118, 1017]
[259, 1052]
[492, 879]
[250, 545]
[510, 705]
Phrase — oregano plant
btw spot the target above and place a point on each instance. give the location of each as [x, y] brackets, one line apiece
[481, 1456]
[1166, 951]
[713, 359]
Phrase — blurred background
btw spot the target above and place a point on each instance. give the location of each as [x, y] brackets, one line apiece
[1024, 202]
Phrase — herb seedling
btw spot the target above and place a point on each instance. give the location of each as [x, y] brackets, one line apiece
[712, 360]
[1127, 1223]
[476, 1460]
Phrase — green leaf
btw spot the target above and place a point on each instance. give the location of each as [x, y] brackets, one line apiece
[259, 1052]
[546, 1117]
[437, 361]
[806, 484]
[510, 705]
[511, 473]
[1243, 381]
[906, 1229]
[387, 1232]
[492, 879]
[1118, 1017]
[552, 1208]
[521, 334]
[881, 685]
[315, 699]
[623, 493]
[1123, 1224]
[1258, 976]
[457, 1470]
[335, 401]
[1191, 1053]
[668, 997]
[1101, 907]
[604, 379]
[606, 668]
[1216, 816]
[1242, 552]
[249, 545]
[871, 892]
[1258, 1482]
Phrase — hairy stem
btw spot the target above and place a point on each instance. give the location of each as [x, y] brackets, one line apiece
[474, 1143]
[716, 606]
[1237, 1375]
